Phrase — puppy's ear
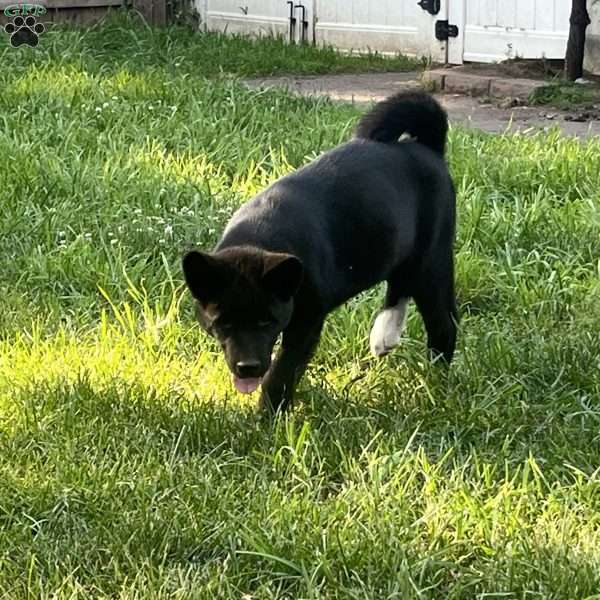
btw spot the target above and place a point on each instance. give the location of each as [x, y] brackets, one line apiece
[204, 276]
[282, 275]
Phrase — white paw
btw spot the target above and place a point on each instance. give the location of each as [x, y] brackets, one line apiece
[387, 329]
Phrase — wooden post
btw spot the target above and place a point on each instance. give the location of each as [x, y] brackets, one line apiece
[154, 11]
[579, 20]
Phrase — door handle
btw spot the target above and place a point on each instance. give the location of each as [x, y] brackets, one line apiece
[292, 20]
[303, 21]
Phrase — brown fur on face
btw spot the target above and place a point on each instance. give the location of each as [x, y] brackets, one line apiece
[244, 300]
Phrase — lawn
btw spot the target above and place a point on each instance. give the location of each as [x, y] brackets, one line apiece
[566, 95]
[130, 468]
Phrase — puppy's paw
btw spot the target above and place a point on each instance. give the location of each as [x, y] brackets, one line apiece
[384, 335]
[387, 329]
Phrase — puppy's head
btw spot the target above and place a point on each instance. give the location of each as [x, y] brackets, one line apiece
[244, 299]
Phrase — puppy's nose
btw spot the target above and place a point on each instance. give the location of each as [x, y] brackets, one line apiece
[248, 368]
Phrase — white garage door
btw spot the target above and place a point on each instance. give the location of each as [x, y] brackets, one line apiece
[485, 30]
[495, 30]
[378, 25]
[268, 17]
[382, 25]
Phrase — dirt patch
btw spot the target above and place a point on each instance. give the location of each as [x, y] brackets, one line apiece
[464, 110]
[520, 68]
[517, 68]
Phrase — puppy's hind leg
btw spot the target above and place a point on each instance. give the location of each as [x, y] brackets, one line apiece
[389, 323]
[436, 302]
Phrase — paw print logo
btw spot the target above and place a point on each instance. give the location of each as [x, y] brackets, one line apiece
[24, 31]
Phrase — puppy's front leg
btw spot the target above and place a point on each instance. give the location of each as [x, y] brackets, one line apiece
[297, 345]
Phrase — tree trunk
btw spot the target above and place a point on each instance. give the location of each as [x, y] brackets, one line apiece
[579, 21]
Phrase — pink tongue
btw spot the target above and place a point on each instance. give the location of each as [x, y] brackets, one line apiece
[247, 385]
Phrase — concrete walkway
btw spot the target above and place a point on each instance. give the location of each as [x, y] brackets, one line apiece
[464, 110]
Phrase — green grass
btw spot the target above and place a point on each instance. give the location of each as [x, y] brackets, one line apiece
[126, 42]
[566, 95]
[129, 468]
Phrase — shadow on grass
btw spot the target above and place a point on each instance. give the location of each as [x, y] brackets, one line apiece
[107, 482]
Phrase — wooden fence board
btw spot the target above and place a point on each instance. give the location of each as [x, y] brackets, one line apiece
[154, 11]
[87, 11]
[82, 3]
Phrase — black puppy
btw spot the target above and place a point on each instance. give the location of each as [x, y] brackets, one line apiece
[376, 208]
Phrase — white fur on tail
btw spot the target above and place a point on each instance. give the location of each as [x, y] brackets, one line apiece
[388, 328]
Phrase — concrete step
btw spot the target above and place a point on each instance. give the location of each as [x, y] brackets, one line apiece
[460, 82]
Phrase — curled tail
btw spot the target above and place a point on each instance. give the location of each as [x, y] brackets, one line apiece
[415, 113]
